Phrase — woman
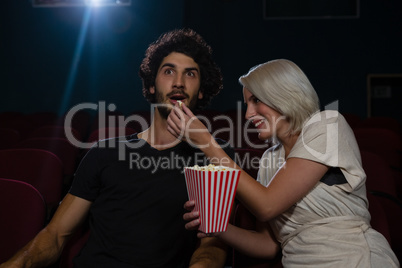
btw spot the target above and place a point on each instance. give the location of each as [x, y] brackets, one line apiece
[310, 194]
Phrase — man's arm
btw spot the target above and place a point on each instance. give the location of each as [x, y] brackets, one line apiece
[48, 244]
[210, 254]
[212, 251]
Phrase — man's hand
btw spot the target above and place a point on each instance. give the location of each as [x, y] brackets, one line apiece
[192, 217]
[193, 220]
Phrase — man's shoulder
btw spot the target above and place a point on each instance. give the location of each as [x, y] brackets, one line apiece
[120, 140]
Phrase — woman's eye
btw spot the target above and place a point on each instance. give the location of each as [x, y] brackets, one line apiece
[191, 74]
[256, 100]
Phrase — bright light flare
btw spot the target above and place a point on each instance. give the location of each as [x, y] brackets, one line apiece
[71, 3]
[93, 3]
[97, 3]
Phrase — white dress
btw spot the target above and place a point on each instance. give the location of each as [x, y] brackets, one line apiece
[330, 226]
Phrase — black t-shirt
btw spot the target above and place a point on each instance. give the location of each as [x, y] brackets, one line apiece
[138, 193]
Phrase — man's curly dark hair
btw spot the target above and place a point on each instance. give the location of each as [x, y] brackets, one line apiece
[190, 43]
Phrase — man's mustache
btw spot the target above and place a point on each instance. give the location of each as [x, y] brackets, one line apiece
[177, 92]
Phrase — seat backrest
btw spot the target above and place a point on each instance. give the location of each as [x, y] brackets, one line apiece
[383, 142]
[40, 168]
[381, 184]
[80, 121]
[8, 138]
[40, 119]
[20, 124]
[73, 247]
[352, 119]
[379, 174]
[381, 122]
[110, 132]
[22, 214]
[54, 132]
[379, 219]
[66, 151]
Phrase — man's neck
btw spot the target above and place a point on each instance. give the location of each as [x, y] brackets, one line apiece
[157, 134]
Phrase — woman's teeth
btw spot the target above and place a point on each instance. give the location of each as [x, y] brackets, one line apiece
[258, 123]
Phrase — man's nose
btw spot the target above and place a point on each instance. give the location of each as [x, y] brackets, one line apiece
[178, 81]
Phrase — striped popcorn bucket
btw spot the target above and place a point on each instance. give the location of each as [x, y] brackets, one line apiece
[213, 192]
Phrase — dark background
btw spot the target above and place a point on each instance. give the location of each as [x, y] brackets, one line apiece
[45, 66]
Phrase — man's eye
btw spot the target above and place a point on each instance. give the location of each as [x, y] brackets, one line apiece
[191, 74]
[168, 71]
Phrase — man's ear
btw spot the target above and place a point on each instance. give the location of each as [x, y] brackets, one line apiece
[200, 95]
[152, 90]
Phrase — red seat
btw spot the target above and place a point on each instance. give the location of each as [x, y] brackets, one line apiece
[41, 169]
[80, 121]
[22, 125]
[22, 214]
[379, 175]
[384, 142]
[352, 119]
[384, 122]
[10, 115]
[54, 132]
[40, 119]
[393, 211]
[108, 119]
[381, 183]
[111, 132]
[8, 138]
[67, 152]
[379, 219]
[73, 247]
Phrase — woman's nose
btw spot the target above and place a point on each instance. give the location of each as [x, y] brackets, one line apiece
[250, 112]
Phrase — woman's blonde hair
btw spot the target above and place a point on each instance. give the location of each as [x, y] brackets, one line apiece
[283, 86]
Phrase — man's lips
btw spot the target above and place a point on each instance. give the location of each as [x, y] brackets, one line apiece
[177, 97]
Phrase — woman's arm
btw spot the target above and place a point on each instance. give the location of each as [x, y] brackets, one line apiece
[292, 182]
[259, 243]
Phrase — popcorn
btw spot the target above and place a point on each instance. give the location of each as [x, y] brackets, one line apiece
[213, 189]
[210, 167]
[180, 103]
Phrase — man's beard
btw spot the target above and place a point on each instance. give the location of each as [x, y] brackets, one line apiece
[165, 108]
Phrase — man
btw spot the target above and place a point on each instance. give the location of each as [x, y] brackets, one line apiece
[135, 205]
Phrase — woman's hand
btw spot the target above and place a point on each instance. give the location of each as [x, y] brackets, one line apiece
[184, 125]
